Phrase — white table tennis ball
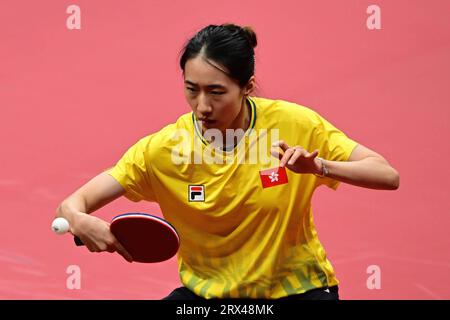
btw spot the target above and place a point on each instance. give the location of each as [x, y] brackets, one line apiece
[60, 225]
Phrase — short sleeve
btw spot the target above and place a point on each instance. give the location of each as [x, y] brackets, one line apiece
[334, 145]
[132, 171]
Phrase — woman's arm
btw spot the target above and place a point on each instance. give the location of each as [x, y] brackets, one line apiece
[93, 231]
[96, 193]
[365, 168]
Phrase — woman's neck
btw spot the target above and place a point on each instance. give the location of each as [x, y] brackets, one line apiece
[242, 121]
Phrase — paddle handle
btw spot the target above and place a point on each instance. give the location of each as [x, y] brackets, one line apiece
[78, 241]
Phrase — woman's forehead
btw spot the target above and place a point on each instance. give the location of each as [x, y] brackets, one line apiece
[209, 85]
[201, 73]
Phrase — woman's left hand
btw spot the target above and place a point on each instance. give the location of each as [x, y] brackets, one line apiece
[296, 158]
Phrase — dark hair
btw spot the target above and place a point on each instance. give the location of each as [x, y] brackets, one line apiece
[229, 45]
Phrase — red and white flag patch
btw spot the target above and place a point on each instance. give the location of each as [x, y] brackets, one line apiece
[273, 177]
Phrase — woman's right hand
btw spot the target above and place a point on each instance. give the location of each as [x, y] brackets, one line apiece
[96, 235]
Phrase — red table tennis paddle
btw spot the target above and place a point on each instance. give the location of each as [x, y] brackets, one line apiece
[146, 237]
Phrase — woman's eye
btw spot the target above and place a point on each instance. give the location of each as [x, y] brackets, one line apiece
[191, 90]
[212, 92]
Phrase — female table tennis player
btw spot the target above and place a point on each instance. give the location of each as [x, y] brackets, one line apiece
[246, 228]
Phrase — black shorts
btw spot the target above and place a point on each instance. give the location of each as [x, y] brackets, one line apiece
[331, 293]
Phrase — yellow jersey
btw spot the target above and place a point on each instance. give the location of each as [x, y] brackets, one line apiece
[240, 237]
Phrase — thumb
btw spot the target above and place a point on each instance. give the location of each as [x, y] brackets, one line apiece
[122, 251]
[313, 154]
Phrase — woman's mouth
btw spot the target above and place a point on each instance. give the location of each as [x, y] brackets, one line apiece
[208, 122]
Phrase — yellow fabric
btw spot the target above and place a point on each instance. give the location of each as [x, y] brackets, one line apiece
[243, 240]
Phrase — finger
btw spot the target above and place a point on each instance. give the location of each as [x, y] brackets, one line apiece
[295, 156]
[274, 152]
[93, 248]
[111, 249]
[287, 155]
[313, 154]
[90, 248]
[121, 250]
[280, 143]
[88, 245]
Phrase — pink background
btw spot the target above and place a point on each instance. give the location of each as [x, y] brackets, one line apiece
[72, 101]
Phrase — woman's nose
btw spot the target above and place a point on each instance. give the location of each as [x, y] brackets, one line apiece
[203, 107]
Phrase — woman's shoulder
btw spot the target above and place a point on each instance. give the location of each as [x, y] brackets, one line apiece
[284, 110]
[167, 133]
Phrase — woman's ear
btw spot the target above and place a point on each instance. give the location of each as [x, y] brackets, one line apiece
[250, 86]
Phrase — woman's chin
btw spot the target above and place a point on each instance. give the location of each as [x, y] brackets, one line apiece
[210, 124]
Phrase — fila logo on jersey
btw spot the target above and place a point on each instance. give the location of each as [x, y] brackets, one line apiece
[196, 193]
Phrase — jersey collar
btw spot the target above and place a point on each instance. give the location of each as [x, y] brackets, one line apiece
[198, 130]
